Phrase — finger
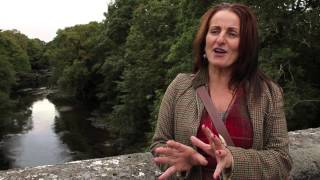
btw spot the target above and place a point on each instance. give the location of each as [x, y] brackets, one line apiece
[166, 151]
[218, 171]
[160, 150]
[210, 136]
[169, 172]
[203, 146]
[208, 133]
[223, 141]
[225, 157]
[176, 145]
[202, 160]
[218, 143]
[200, 144]
[163, 160]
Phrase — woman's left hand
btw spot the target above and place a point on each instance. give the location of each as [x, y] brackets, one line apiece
[216, 148]
[179, 157]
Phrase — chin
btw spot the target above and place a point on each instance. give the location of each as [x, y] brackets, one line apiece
[220, 65]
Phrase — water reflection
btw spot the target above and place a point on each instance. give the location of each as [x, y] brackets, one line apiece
[83, 140]
[14, 123]
[45, 132]
[40, 145]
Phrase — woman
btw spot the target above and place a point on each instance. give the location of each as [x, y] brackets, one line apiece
[250, 104]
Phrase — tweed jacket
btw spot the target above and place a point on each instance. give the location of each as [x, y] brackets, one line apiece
[179, 118]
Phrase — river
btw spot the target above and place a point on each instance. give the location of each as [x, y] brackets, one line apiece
[48, 133]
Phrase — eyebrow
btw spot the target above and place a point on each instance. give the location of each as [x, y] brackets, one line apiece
[232, 27]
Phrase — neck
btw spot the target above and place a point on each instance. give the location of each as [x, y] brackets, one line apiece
[219, 78]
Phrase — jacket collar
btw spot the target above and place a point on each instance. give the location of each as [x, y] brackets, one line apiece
[201, 78]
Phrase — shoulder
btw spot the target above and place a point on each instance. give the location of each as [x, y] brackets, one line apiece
[272, 96]
[271, 90]
[180, 84]
[182, 81]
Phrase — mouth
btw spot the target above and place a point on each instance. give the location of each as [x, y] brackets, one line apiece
[219, 50]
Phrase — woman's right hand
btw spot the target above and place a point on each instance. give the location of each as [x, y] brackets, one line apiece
[179, 157]
[217, 149]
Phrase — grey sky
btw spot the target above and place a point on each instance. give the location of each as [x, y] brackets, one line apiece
[42, 18]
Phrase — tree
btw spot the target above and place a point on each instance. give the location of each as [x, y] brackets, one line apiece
[111, 52]
[124, 64]
[146, 48]
[71, 55]
[12, 46]
[7, 79]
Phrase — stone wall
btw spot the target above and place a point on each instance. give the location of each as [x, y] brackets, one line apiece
[304, 149]
[305, 152]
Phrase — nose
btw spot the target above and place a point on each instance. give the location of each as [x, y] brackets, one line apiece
[221, 38]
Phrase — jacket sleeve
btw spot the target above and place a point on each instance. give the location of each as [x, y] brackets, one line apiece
[273, 160]
[165, 128]
[165, 123]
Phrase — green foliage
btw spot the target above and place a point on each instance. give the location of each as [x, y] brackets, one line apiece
[124, 64]
[35, 50]
[146, 48]
[13, 49]
[111, 51]
[74, 78]
[72, 57]
[14, 64]
[7, 75]
[7, 79]
[290, 54]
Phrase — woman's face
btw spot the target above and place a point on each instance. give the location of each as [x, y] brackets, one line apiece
[222, 39]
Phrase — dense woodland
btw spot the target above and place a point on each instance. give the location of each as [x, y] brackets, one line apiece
[121, 67]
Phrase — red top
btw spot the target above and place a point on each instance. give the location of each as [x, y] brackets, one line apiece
[237, 123]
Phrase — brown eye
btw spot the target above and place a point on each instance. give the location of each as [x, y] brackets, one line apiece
[233, 34]
[214, 31]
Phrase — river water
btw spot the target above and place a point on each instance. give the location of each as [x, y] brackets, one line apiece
[50, 134]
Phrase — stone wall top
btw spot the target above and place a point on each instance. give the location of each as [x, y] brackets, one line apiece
[304, 149]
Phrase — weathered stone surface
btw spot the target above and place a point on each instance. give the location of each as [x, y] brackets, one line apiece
[126, 167]
[304, 149]
[305, 152]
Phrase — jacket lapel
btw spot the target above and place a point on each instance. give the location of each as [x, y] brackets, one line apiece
[200, 79]
[256, 117]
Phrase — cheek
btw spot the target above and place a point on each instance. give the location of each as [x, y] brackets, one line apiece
[209, 40]
[235, 50]
[206, 46]
[235, 45]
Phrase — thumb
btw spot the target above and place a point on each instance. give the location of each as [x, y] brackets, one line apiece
[218, 171]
